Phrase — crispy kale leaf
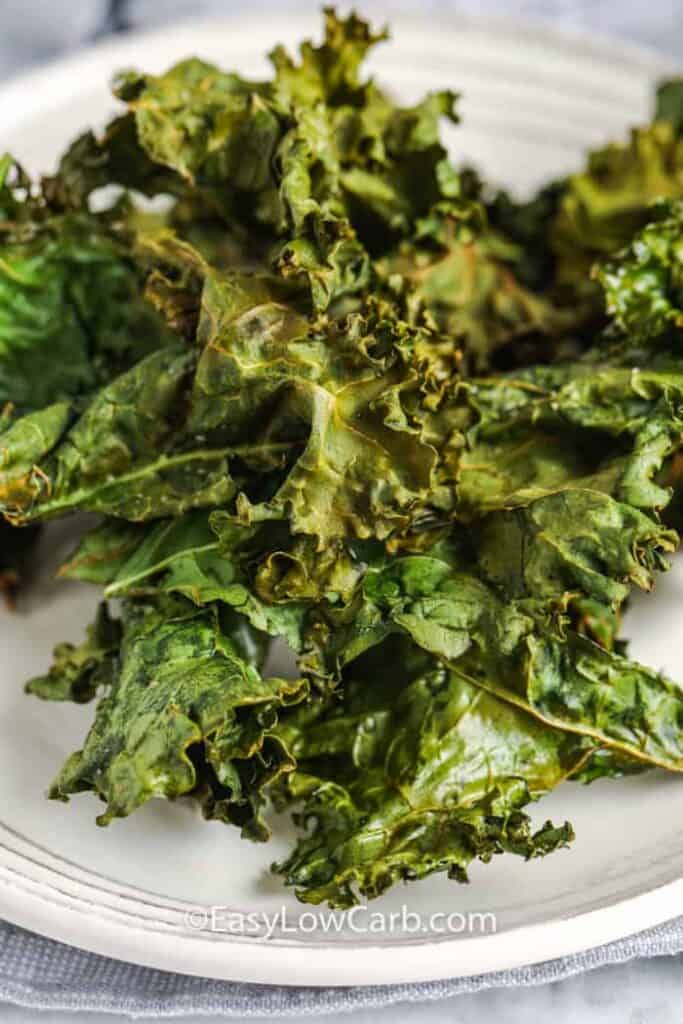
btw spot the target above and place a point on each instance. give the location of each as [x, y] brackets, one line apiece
[422, 771]
[590, 426]
[607, 202]
[127, 454]
[467, 285]
[71, 313]
[72, 316]
[72, 310]
[299, 162]
[265, 572]
[78, 671]
[512, 648]
[346, 393]
[185, 556]
[184, 710]
[341, 403]
[527, 225]
[319, 177]
[643, 284]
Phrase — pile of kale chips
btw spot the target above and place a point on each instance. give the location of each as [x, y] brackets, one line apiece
[341, 395]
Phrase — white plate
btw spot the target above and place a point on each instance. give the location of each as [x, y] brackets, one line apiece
[533, 101]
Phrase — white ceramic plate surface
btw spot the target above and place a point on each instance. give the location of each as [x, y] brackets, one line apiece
[533, 101]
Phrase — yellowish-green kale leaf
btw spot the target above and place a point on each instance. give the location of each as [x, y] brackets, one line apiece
[607, 202]
[462, 278]
[313, 172]
[345, 396]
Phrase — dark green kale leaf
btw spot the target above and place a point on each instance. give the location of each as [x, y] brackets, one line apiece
[72, 311]
[184, 710]
[423, 771]
[185, 556]
[513, 649]
[72, 317]
[71, 314]
[588, 426]
[527, 224]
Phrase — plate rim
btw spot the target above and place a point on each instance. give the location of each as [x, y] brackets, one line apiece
[18, 92]
[70, 909]
[41, 902]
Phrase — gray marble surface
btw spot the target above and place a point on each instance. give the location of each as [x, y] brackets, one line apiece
[640, 992]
